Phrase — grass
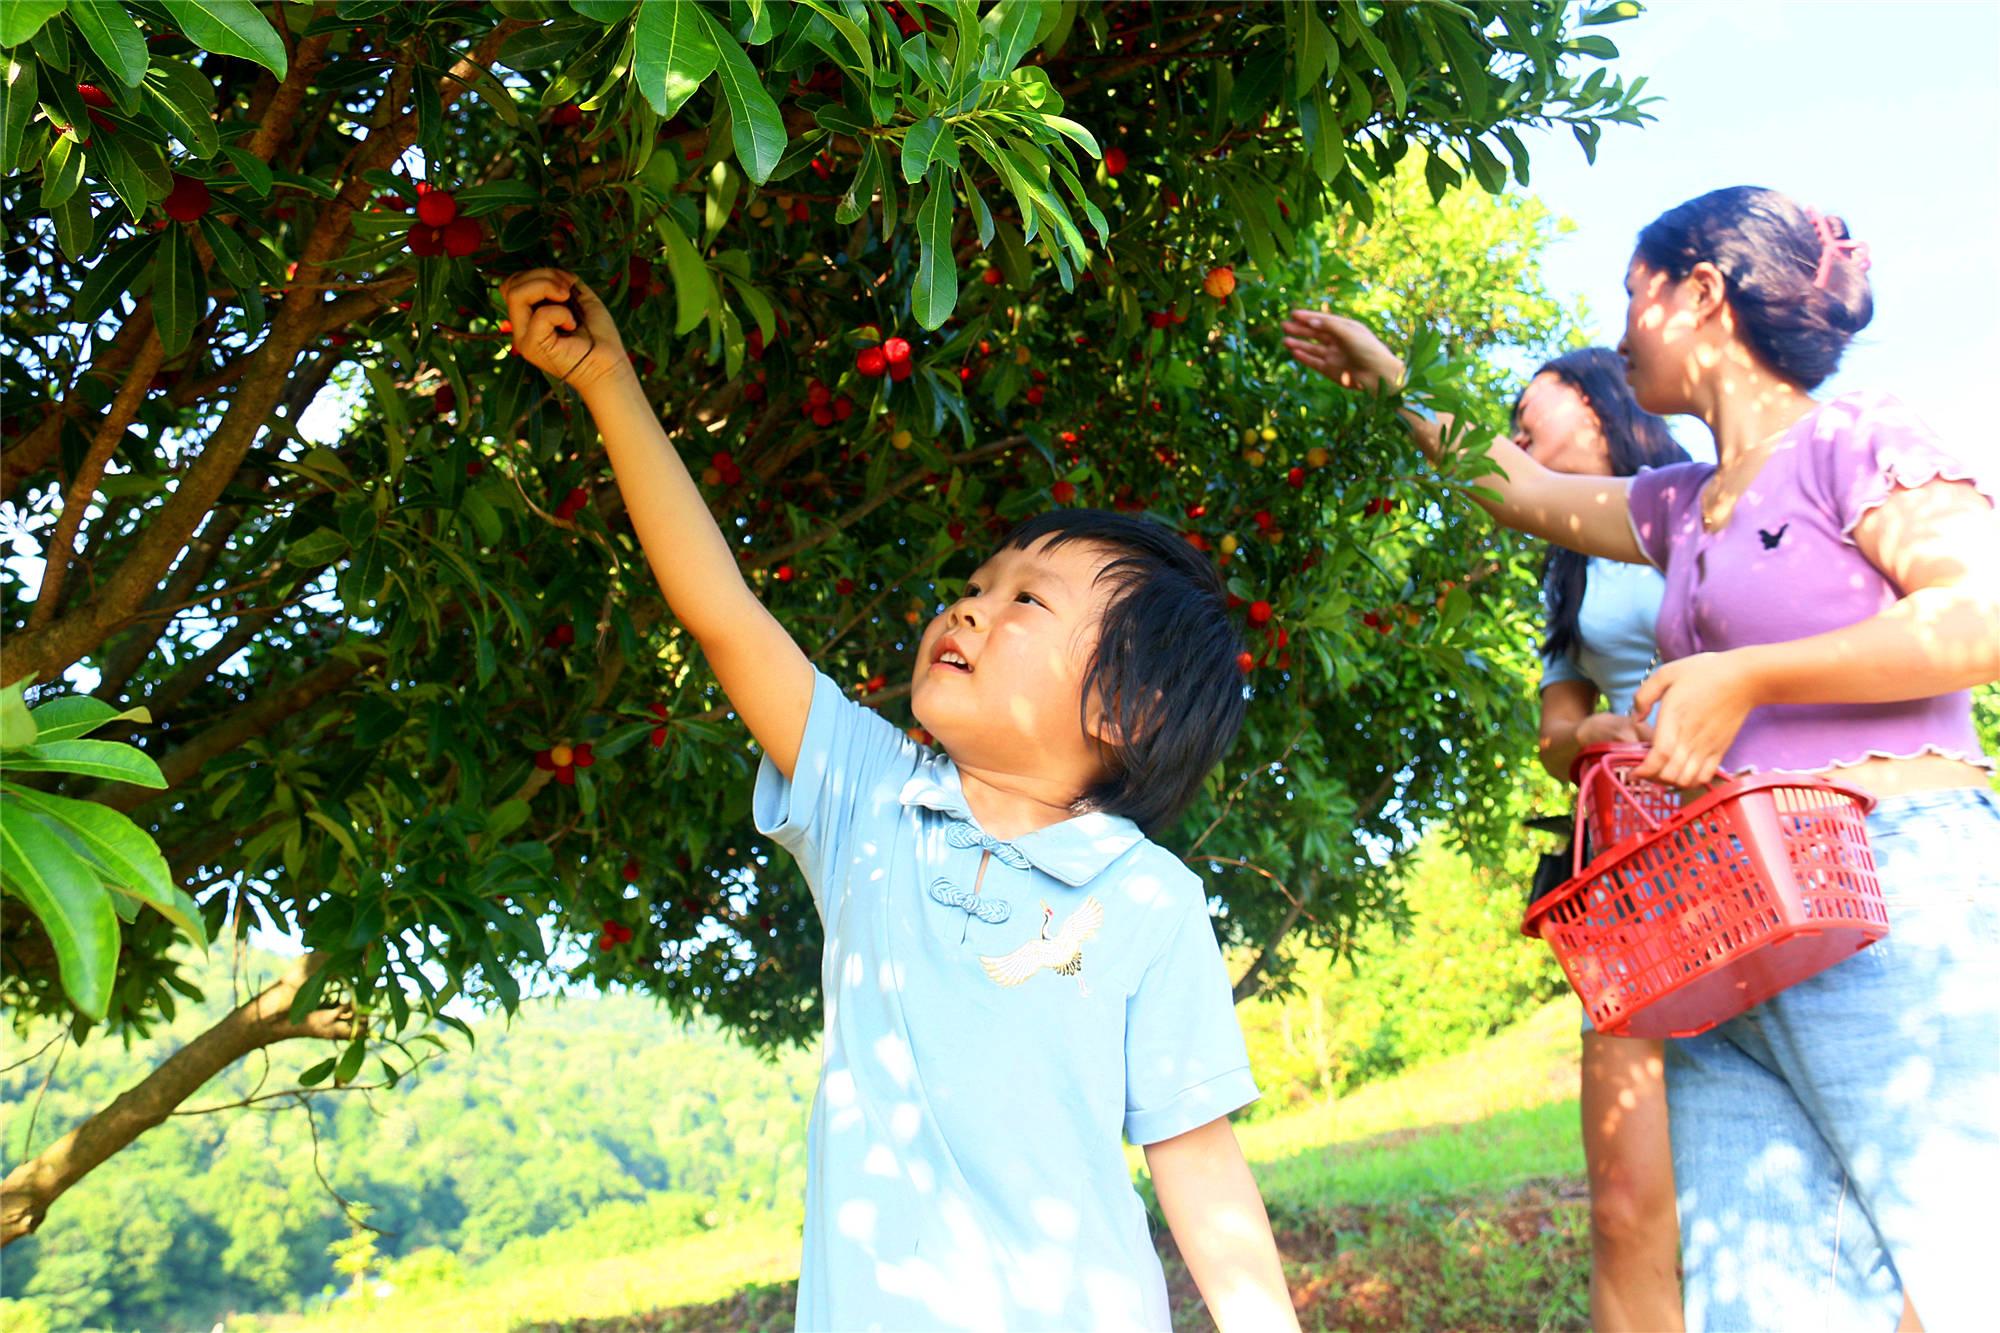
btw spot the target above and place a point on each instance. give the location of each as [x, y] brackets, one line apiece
[1449, 1196]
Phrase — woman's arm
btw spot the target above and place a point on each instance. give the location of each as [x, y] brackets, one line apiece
[1569, 724]
[1940, 543]
[764, 673]
[1585, 514]
[1218, 1220]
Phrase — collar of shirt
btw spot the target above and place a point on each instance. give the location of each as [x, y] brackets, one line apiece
[1076, 851]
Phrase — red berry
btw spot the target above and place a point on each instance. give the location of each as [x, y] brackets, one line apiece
[659, 737]
[1297, 478]
[822, 416]
[445, 399]
[817, 394]
[991, 277]
[188, 200]
[845, 587]
[1035, 396]
[897, 350]
[901, 370]
[566, 115]
[1196, 540]
[1244, 662]
[965, 374]
[955, 530]
[462, 237]
[753, 392]
[872, 362]
[800, 213]
[1114, 160]
[786, 573]
[629, 872]
[583, 758]
[428, 243]
[1062, 492]
[437, 208]
[562, 636]
[93, 96]
[1260, 612]
[843, 408]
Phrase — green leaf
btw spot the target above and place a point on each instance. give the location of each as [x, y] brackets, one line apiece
[1010, 27]
[603, 11]
[113, 36]
[549, 44]
[1315, 49]
[22, 19]
[62, 171]
[694, 287]
[17, 101]
[1616, 12]
[232, 256]
[318, 1074]
[75, 229]
[935, 293]
[929, 140]
[111, 760]
[110, 279]
[857, 41]
[256, 173]
[674, 54]
[861, 190]
[182, 102]
[76, 715]
[1380, 55]
[230, 28]
[120, 852]
[1064, 125]
[60, 888]
[178, 301]
[759, 125]
[18, 727]
[350, 1062]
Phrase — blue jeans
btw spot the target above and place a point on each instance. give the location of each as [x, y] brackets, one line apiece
[1842, 1140]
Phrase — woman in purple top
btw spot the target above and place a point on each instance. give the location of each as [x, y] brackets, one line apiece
[1833, 594]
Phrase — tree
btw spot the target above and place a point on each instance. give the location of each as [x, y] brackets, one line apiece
[406, 678]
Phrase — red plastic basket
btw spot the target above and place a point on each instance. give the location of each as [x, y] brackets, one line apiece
[1619, 805]
[1695, 916]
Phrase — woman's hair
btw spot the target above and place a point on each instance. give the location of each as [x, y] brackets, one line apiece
[1797, 304]
[1165, 669]
[1635, 439]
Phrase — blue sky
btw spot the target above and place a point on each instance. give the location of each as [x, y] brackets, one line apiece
[1887, 114]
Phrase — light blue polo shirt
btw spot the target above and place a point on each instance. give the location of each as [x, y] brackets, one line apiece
[1614, 648]
[984, 1052]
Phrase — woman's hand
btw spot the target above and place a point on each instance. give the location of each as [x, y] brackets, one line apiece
[1613, 729]
[1342, 349]
[1702, 701]
[544, 304]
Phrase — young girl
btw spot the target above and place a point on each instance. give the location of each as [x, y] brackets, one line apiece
[1013, 973]
[1578, 416]
[1833, 593]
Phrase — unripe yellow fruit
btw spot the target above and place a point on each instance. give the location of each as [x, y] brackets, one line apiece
[561, 755]
[901, 439]
[1022, 356]
[1254, 457]
[1316, 456]
[1228, 543]
[1250, 436]
[1269, 435]
[758, 208]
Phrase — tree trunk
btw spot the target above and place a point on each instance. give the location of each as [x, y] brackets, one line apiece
[29, 1189]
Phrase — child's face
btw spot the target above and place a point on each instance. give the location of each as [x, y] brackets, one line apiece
[1026, 627]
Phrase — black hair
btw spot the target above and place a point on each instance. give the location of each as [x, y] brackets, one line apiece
[1634, 438]
[1769, 250]
[1164, 671]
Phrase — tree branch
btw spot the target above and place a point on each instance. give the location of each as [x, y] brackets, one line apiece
[30, 1188]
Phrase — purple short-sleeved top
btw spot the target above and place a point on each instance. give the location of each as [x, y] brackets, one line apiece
[1785, 566]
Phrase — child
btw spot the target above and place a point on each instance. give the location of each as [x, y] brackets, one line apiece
[1832, 595]
[1013, 973]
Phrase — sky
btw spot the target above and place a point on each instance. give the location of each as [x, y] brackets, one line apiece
[1886, 114]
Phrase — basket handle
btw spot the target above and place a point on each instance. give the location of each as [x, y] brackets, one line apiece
[1588, 761]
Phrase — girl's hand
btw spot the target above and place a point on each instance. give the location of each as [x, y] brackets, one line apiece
[544, 304]
[1344, 350]
[1613, 729]
[1703, 700]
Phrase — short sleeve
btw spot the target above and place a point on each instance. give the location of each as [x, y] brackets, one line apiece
[1557, 668]
[1185, 1061]
[1882, 448]
[1655, 499]
[848, 759]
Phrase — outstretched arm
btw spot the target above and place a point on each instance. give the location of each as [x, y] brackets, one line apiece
[767, 678]
[1586, 514]
[1212, 1206]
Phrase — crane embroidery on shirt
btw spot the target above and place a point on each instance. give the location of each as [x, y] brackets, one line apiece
[1061, 953]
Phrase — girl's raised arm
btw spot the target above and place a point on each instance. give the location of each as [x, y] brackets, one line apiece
[764, 673]
[1584, 513]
